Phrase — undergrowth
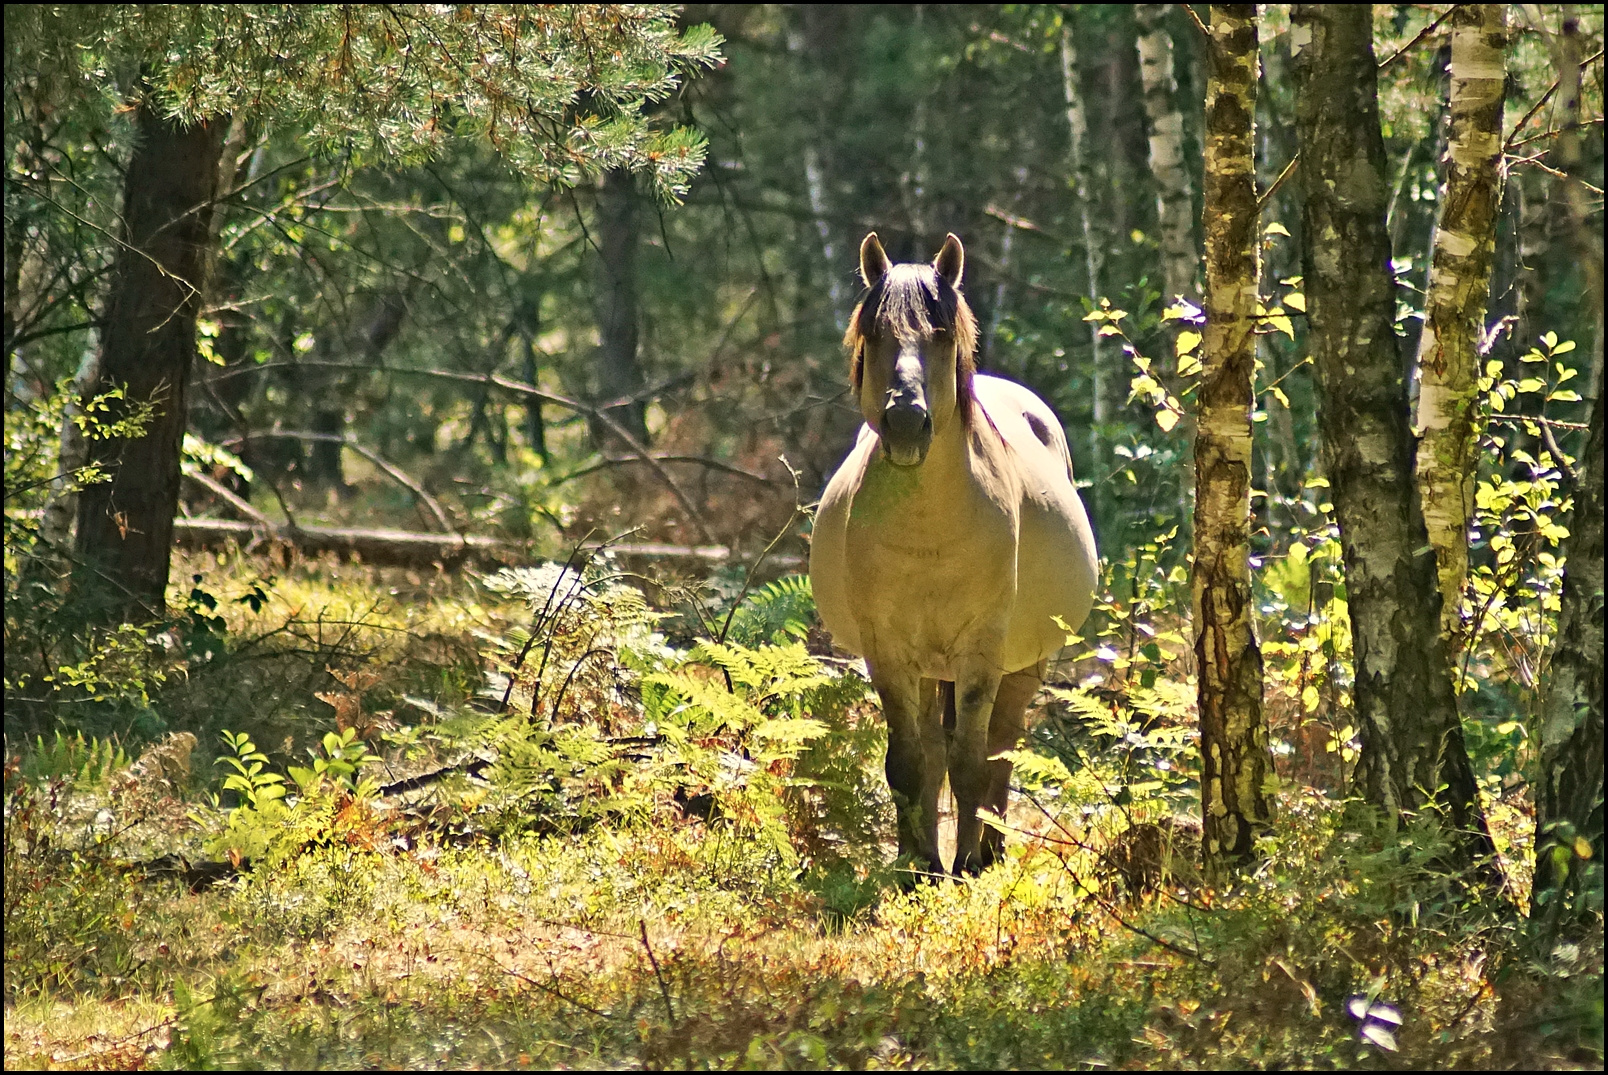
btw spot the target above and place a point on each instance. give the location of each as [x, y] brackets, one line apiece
[535, 818]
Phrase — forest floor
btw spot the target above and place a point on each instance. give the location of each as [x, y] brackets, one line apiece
[463, 931]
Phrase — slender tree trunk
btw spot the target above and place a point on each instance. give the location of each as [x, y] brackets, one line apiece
[1585, 234]
[125, 526]
[1175, 205]
[56, 529]
[1077, 123]
[529, 324]
[817, 31]
[1569, 807]
[619, 375]
[1412, 740]
[1459, 286]
[382, 325]
[1235, 762]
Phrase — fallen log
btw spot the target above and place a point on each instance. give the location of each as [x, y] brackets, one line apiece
[408, 548]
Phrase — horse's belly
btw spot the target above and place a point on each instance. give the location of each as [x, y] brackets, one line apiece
[1055, 576]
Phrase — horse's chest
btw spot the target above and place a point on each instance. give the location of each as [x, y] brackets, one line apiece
[931, 579]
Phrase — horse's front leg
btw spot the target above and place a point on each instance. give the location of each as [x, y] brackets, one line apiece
[915, 762]
[969, 775]
[1005, 731]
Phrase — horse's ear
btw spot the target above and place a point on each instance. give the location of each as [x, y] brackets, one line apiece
[951, 261]
[873, 261]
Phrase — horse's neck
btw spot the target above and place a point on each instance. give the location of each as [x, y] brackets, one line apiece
[959, 465]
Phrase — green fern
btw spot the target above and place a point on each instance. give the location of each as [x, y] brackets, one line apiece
[777, 612]
[86, 762]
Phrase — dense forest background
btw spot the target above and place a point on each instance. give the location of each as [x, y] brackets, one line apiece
[445, 318]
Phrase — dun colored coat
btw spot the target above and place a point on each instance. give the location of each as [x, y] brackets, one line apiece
[946, 547]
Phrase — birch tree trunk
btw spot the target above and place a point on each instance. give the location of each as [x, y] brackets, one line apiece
[1569, 807]
[1412, 740]
[56, 529]
[1175, 206]
[619, 374]
[125, 526]
[1459, 286]
[811, 39]
[1077, 123]
[1233, 732]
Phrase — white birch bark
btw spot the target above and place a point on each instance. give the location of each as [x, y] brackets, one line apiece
[1459, 285]
[1078, 127]
[1180, 258]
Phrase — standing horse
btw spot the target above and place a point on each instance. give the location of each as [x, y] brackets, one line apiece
[945, 547]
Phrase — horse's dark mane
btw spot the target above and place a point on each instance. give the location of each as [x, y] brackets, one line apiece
[913, 301]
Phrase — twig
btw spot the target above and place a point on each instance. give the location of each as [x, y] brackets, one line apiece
[1545, 97]
[664, 457]
[545, 988]
[1146, 934]
[519, 387]
[390, 469]
[222, 492]
[1519, 419]
[1194, 18]
[1553, 133]
[748, 580]
[1425, 32]
[664, 990]
[1289, 169]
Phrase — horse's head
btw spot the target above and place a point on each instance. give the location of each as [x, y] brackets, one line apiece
[912, 339]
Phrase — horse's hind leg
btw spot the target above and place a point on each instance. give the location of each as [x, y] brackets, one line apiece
[1005, 730]
[915, 762]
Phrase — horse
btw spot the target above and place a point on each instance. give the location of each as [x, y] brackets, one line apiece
[948, 550]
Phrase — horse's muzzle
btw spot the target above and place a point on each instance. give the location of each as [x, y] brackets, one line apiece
[906, 433]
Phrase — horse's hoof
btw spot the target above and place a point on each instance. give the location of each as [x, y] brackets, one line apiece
[920, 872]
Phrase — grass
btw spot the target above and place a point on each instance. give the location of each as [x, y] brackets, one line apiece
[662, 939]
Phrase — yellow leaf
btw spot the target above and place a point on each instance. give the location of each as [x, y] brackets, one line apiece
[1582, 847]
[1309, 699]
[1283, 325]
[1110, 330]
[1295, 301]
[1166, 419]
[1187, 342]
[1276, 228]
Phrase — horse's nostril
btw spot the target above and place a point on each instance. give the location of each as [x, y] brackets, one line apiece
[907, 421]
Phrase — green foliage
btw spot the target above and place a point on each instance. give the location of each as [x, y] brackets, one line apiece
[776, 612]
[85, 763]
[69, 914]
[371, 80]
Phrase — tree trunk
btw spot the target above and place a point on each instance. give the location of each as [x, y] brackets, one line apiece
[818, 30]
[1233, 733]
[1459, 285]
[528, 323]
[1077, 123]
[56, 529]
[618, 374]
[1175, 206]
[1585, 234]
[382, 325]
[1412, 740]
[125, 526]
[1569, 806]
